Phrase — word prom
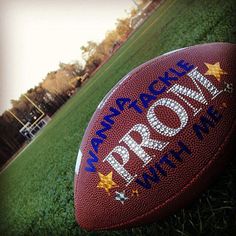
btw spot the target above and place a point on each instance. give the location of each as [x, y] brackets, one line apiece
[204, 91]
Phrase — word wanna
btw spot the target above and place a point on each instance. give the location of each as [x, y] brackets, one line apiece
[168, 80]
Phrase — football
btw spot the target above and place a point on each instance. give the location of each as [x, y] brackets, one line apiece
[157, 139]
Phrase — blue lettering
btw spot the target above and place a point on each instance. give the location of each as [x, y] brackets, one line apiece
[95, 143]
[100, 132]
[115, 112]
[183, 149]
[177, 72]
[90, 162]
[214, 114]
[135, 106]
[167, 78]
[160, 169]
[146, 177]
[185, 65]
[206, 123]
[165, 160]
[146, 99]
[153, 90]
[203, 127]
[120, 102]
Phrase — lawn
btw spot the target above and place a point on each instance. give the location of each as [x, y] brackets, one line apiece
[37, 189]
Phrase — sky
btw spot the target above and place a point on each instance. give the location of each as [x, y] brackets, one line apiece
[36, 35]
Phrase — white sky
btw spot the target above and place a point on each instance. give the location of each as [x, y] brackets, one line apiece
[38, 34]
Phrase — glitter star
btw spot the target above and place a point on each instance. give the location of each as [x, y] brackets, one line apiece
[229, 88]
[106, 182]
[215, 70]
[120, 196]
[135, 193]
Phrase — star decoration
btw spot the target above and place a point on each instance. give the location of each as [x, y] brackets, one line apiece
[135, 193]
[120, 196]
[106, 182]
[215, 70]
[229, 88]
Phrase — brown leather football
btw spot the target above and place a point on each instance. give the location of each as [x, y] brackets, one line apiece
[158, 138]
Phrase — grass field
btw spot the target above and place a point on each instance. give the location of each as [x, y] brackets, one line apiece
[37, 189]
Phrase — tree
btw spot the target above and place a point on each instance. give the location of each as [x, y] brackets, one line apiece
[133, 12]
[10, 139]
[123, 28]
[72, 69]
[88, 50]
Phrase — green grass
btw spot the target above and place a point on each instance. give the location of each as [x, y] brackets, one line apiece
[37, 189]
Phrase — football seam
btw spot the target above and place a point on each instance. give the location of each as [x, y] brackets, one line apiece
[178, 193]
